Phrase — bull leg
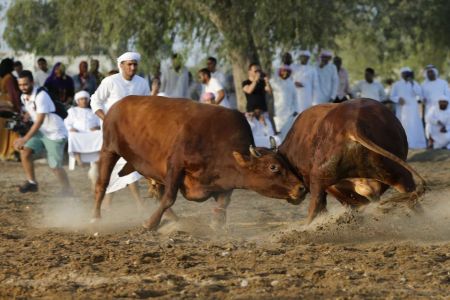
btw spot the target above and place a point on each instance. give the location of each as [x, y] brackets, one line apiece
[318, 202]
[220, 210]
[402, 180]
[172, 183]
[347, 196]
[156, 190]
[106, 165]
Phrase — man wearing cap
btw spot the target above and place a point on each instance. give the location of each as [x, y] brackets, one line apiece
[438, 124]
[328, 79]
[112, 89]
[306, 81]
[433, 87]
[406, 93]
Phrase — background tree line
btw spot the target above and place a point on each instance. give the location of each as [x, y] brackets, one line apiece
[381, 34]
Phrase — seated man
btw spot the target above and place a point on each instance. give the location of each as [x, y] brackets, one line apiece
[85, 137]
[438, 125]
[261, 128]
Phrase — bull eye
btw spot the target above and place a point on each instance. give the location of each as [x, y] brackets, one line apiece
[274, 168]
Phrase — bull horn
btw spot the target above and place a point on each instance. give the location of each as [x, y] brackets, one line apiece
[254, 152]
[273, 144]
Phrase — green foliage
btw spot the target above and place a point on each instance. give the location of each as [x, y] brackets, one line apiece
[382, 34]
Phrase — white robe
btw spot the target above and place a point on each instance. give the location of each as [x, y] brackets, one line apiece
[432, 90]
[307, 76]
[433, 130]
[409, 114]
[175, 84]
[262, 132]
[285, 104]
[374, 90]
[328, 84]
[112, 89]
[86, 142]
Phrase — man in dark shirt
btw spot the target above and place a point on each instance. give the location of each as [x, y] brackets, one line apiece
[255, 89]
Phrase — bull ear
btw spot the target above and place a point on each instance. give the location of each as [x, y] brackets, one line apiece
[240, 159]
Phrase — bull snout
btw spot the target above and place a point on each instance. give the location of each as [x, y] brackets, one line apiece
[297, 195]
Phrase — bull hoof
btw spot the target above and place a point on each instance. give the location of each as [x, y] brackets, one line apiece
[94, 220]
[149, 227]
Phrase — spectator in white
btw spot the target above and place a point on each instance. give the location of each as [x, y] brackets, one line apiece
[306, 82]
[405, 93]
[112, 89]
[438, 124]
[211, 65]
[344, 86]
[85, 137]
[369, 88]
[212, 85]
[42, 73]
[328, 80]
[285, 100]
[261, 129]
[47, 133]
[18, 68]
[175, 79]
[433, 87]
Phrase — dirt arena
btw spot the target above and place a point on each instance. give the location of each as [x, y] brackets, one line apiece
[49, 250]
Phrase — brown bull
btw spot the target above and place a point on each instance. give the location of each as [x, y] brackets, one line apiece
[202, 150]
[354, 151]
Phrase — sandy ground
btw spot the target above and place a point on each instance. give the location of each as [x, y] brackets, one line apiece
[49, 250]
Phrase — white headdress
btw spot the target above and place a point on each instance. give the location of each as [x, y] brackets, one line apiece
[128, 56]
[80, 95]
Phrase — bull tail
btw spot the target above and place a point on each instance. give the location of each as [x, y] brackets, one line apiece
[421, 187]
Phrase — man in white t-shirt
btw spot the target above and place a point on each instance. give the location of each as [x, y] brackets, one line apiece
[212, 85]
[211, 65]
[369, 88]
[47, 133]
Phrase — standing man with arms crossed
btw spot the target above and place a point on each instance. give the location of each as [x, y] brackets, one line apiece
[112, 89]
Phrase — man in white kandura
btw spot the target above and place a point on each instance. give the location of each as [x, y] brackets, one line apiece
[438, 124]
[112, 89]
[175, 79]
[306, 82]
[433, 87]
[405, 93]
[328, 79]
[284, 100]
[369, 88]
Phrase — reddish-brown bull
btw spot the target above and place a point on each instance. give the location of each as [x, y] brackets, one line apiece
[354, 151]
[202, 150]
